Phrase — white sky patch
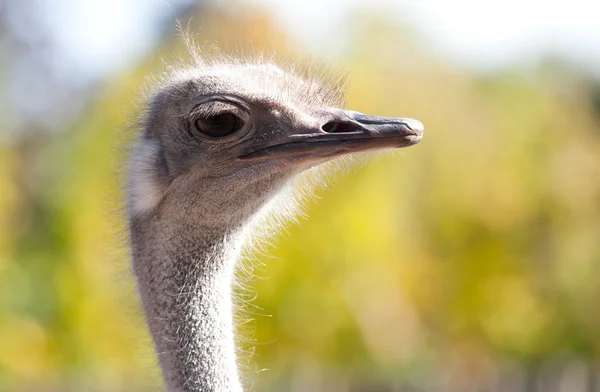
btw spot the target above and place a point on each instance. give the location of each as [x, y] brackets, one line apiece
[100, 36]
[475, 33]
[492, 33]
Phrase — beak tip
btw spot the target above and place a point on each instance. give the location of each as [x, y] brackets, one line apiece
[415, 125]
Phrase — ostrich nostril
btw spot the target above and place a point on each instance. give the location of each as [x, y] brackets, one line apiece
[340, 126]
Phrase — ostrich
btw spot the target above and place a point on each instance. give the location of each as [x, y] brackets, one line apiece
[218, 142]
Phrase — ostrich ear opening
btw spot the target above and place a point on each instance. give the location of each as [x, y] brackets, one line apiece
[148, 174]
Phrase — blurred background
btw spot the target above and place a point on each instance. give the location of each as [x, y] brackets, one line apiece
[470, 262]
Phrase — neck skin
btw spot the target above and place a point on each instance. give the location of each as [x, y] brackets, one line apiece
[184, 274]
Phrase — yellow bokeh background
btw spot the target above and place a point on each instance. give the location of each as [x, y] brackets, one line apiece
[465, 263]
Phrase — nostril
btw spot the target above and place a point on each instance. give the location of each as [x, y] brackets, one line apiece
[339, 127]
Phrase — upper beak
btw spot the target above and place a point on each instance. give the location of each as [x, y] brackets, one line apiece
[347, 132]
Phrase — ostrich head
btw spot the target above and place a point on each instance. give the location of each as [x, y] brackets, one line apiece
[224, 138]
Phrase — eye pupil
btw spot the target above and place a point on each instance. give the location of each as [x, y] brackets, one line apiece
[219, 125]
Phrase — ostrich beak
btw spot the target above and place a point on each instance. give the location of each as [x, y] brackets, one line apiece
[348, 131]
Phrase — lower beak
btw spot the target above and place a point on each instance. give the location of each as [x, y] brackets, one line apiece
[348, 132]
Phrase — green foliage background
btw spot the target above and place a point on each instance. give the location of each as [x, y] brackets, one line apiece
[449, 264]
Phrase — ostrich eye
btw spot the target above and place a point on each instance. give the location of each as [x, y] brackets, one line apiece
[219, 125]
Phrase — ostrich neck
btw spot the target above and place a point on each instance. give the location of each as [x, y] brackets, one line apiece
[184, 274]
